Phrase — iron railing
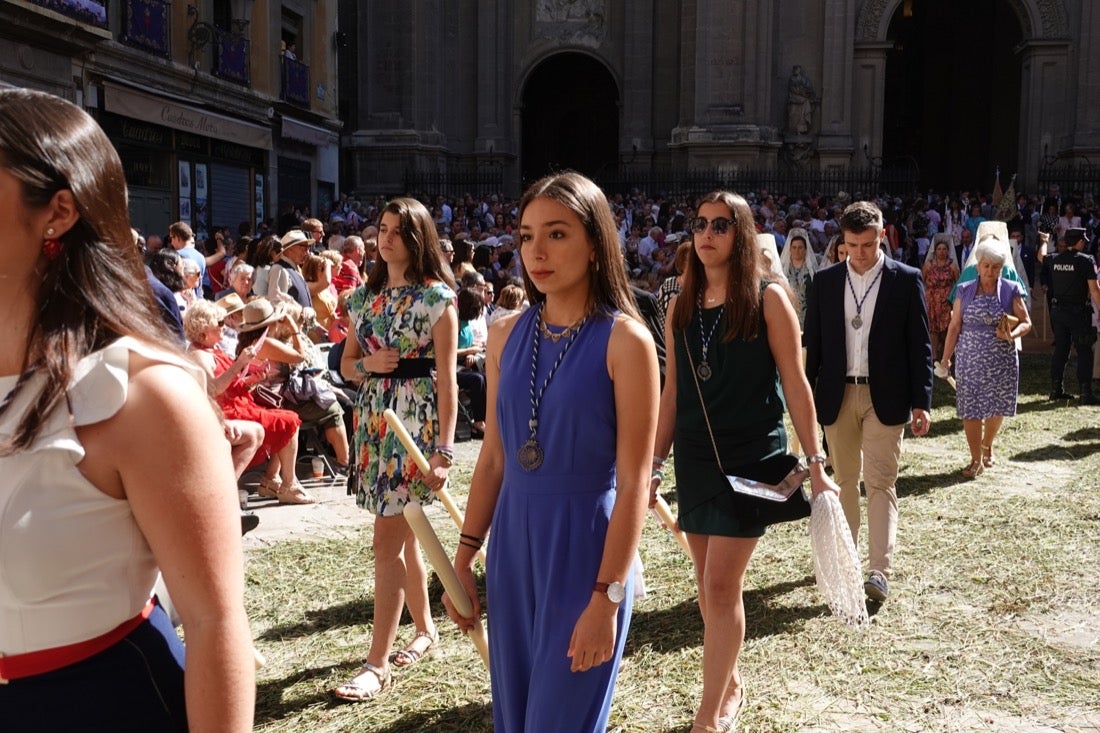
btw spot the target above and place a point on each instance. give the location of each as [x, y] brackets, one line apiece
[864, 181]
[1073, 179]
[455, 182]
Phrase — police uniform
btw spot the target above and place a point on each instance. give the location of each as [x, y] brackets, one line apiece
[1071, 318]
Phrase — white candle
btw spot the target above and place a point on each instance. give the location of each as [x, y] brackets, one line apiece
[422, 528]
[665, 515]
[418, 457]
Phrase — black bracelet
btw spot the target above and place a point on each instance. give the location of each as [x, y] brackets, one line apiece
[479, 540]
[471, 545]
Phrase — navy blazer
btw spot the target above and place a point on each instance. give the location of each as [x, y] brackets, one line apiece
[899, 346]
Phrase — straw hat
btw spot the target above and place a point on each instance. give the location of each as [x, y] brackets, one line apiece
[231, 303]
[260, 313]
[293, 237]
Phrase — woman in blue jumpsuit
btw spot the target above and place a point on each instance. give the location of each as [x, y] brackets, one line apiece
[563, 474]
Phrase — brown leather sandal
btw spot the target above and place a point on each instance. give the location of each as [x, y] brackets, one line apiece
[987, 456]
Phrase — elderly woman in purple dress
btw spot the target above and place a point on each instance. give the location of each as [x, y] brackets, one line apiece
[987, 369]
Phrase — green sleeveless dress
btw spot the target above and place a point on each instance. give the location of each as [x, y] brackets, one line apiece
[745, 406]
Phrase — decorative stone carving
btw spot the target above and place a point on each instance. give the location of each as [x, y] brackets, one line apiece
[801, 99]
[570, 21]
[874, 18]
[557, 10]
[798, 156]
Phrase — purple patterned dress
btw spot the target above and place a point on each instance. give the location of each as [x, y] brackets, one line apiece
[987, 369]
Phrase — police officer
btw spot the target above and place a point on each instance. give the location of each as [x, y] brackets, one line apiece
[1073, 282]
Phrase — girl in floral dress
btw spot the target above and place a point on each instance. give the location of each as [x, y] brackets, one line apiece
[404, 352]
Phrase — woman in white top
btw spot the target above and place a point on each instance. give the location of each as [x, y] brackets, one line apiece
[87, 373]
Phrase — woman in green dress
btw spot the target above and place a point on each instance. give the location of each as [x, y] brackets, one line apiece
[736, 339]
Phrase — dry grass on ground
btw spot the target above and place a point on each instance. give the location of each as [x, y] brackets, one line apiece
[991, 624]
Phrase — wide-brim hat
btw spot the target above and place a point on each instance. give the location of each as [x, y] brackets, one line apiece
[232, 303]
[293, 237]
[260, 313]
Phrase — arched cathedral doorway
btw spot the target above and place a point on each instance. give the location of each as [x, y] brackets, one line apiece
[570, 117]
[952, 91]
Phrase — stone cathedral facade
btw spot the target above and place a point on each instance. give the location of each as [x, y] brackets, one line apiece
[952, 88]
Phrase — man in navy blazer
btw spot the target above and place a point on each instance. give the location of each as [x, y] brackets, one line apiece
[869, 361]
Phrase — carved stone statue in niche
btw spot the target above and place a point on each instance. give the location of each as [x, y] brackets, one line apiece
[801, 99]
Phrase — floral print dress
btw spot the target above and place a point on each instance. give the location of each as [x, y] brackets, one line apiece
[403, 318]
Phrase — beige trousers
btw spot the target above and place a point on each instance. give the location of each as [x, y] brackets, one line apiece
[859, 443]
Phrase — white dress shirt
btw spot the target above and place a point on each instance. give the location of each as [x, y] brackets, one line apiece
[855, 339]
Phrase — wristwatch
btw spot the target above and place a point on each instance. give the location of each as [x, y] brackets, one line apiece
[615, 591]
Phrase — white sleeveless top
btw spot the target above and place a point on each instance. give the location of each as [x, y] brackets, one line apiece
[73, 563]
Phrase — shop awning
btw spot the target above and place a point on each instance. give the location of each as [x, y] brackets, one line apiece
[171, 113]
[312, 134]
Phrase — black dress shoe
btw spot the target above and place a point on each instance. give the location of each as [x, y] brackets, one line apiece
[1089, 399]
[1061, 395]
[249, 522]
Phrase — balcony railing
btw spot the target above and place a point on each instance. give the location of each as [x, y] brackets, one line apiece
[230, 49]
[295, 82]
[146, 25]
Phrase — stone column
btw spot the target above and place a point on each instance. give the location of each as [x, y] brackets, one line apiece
[1044, 66]
[732, 57]
[868, 101]
[636, 135]
[493, 94]
[1086, 137]
[835, 111]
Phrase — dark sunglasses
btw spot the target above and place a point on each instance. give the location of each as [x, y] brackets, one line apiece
[719, 225]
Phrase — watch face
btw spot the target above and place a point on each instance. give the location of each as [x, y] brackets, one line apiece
[616, 592]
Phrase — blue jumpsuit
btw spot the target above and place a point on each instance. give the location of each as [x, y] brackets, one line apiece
[548, 533]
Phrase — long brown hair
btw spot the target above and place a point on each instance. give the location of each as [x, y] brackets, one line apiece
[743, 302]
[95, 291]
[608, 282]
[421, 239]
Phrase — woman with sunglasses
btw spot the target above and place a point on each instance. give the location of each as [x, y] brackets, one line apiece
[736, 339]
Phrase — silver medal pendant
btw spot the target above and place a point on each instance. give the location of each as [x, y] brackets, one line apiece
[704, 371]
[530, 454]
[857, 322]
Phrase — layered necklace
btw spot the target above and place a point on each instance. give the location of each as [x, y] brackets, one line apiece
[530, 454]
[704, 370]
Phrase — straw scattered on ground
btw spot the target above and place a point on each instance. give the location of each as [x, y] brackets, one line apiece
[991, 623]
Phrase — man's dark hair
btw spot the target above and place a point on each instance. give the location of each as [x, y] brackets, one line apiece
[861, 216]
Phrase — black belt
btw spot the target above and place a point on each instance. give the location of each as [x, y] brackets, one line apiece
[857, 380]
[409, 369]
